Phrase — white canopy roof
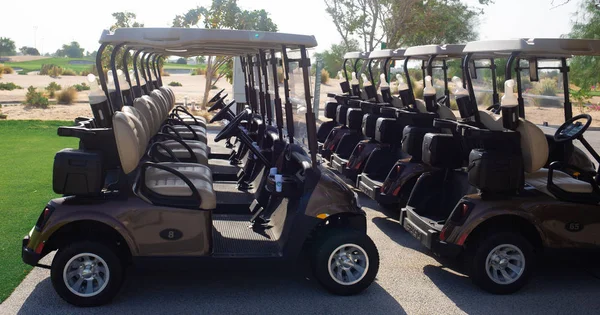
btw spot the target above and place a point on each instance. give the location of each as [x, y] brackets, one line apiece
[387, 53]
[536, 47]
[197, 41]
[442, 51]
[356, 55]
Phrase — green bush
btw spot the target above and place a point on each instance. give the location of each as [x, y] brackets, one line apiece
[546, 87]
[52, 70]
[199, 71]
[66, 96]
[175, 83]
[81, 87]
[214, 87]
[324, 76]
[69, 72]
[484, 99]
[35, 98]
[9, 86]
[416, 74]
[52, 88]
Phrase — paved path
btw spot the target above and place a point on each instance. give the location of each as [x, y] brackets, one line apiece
[410, 280]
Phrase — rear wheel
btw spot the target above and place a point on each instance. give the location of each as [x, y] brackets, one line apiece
[501, 262]
[345, 262]
[87, 273]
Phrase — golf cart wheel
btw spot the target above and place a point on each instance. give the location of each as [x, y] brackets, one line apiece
[345, 262]
[501, 262]
[87, 273]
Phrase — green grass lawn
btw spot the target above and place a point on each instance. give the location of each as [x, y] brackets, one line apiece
[27, 151]
[36, 65]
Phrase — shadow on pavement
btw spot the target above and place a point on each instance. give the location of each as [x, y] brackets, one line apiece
[222, 292]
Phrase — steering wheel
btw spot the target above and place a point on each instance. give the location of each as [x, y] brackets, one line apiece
[217, 103]
[441, 101]
[221, 114]
[573, 128]
[216, 96]
[494, 108]
[229, 130]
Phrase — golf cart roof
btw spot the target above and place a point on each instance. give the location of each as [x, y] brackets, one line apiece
[442, 51]
[387, 53]
[357, 55]
[197, 41]
[536, 47]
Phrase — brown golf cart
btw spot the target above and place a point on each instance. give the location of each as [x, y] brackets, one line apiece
[123, 205]
[537, 193]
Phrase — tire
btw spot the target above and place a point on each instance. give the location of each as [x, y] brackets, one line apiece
[365, 255]
[106, 274]
[490, 252]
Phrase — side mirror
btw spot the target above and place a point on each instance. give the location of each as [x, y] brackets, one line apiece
[533, 70]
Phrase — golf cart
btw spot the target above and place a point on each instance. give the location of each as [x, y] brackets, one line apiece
[121, 207]
[374, 181]
[532, 199]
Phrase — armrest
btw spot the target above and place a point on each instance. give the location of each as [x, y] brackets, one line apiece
[154, 148]
[187, 126]
[169, 127]
[74, 131]
[302, 159]
[161, 135]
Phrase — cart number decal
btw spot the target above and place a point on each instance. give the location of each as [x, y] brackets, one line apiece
[574, 227]
[171, 234]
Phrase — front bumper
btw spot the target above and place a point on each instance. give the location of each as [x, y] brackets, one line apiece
[28, 255]
[428, 236]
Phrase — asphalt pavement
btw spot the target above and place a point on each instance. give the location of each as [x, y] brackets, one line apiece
[410, 280]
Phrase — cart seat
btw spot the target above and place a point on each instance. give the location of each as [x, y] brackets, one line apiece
[200, 149]
[539, 181]
[160, 183]
[442, 111]
[167, 184]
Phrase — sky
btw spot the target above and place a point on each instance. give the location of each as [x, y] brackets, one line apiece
[48, 25]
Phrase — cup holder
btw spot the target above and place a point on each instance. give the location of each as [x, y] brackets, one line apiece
[290, 188]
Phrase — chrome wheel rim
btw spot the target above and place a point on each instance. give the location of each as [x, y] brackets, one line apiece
[348, 264]
[505, 264]
[86, 274]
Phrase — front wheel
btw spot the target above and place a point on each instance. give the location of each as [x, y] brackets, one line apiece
[345, 262]
[87, 273]
[501, 262]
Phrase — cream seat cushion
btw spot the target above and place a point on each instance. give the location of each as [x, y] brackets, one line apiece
[200, 149]
[187, 169]
[539, 180]
[490, 120]
[167, 184]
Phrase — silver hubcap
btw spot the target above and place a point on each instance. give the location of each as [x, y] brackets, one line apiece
[505, 264]
[86, 274]
[348, 264]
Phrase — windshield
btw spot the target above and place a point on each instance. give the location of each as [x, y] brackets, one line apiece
[298, 98]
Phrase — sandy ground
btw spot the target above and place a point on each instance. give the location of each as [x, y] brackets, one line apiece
[192, 89]
[25, 58]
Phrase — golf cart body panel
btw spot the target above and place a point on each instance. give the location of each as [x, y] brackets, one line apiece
[449, 51]
[361, 55]
[536, 47]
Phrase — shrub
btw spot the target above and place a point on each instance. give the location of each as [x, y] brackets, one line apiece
[164, 73]
[175, 83]
[2, 116]
[66, 96]
[81, 87]
[9, 86]
[280, 75]
[324, 76]
[214, 87]
[545, 87]
[35, 98]
[416, 74]
[4, 69]
[484, 99]
[199, 71]
[69, 72]
[52, 88]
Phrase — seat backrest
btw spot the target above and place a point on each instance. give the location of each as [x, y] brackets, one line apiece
[341, 112]
[354, 118]
[159, 102]
[128, 141]
[420, 105]
[534, 146]
[490, 120]
[143, 106]
[170, 96]
[133, 111]
[446, 113]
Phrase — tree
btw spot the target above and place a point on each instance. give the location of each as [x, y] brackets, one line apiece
[182, 61]
[125, 19]
[72, 50]
[29, 51]
[403, 22]
[7, 47]
[333, 58]
[223, 14]
[584, 71]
